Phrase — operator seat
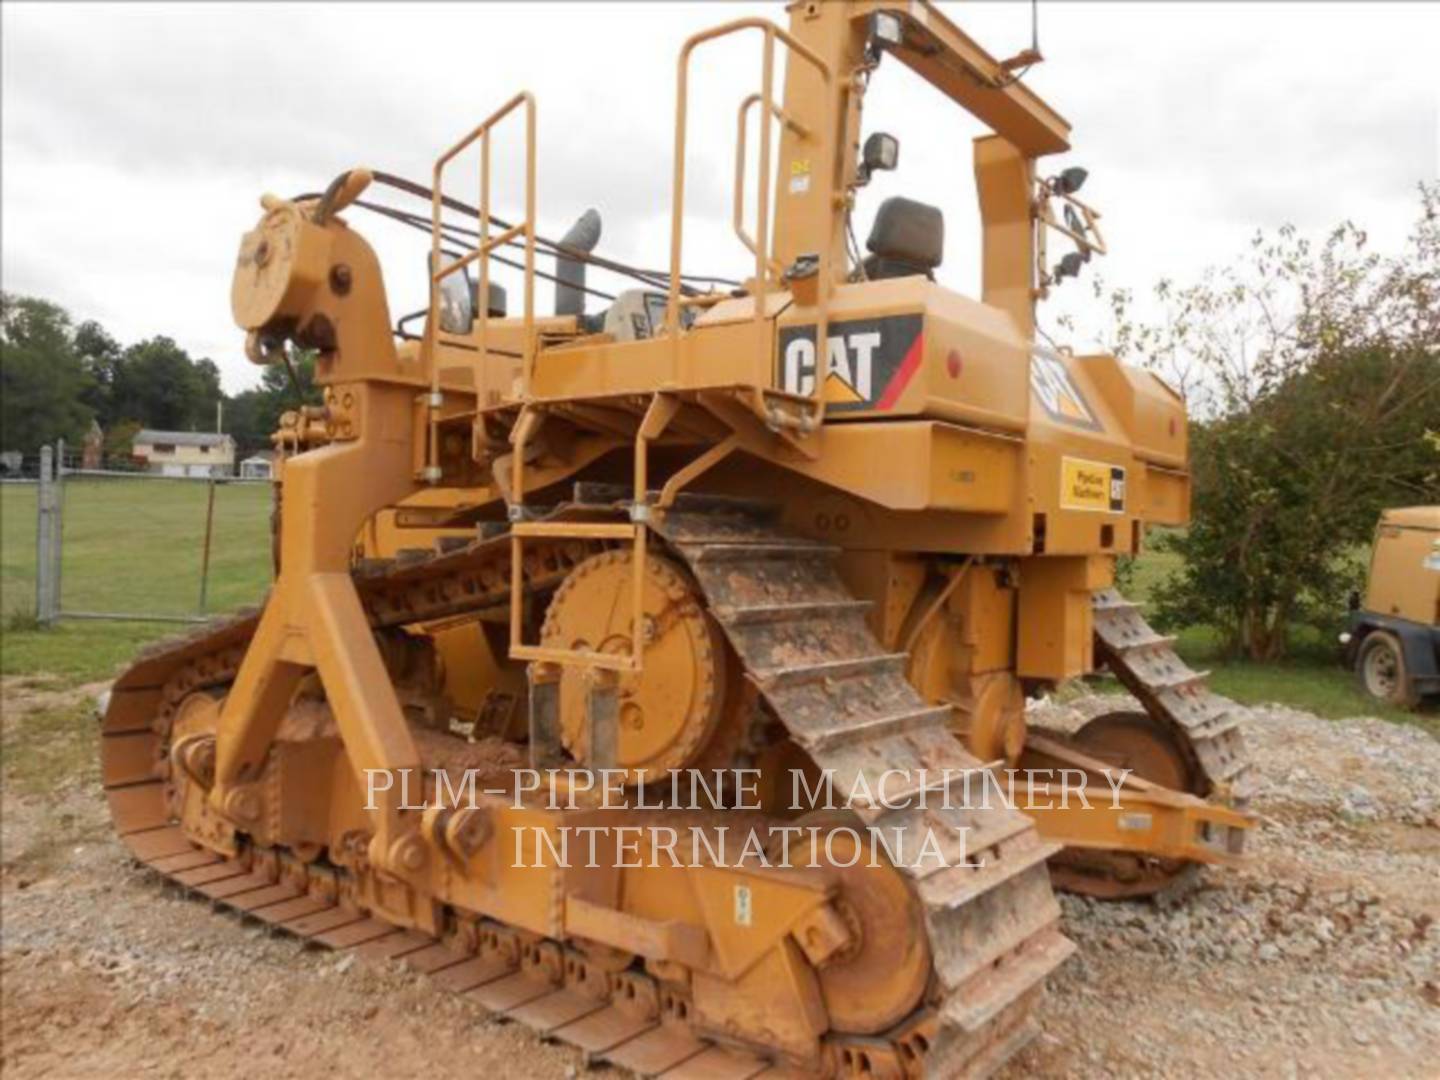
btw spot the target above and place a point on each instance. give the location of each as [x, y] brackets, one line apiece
[907, 238]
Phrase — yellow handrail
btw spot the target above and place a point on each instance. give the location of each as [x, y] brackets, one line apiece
[484, 246]
[770, 111]
[740, 155]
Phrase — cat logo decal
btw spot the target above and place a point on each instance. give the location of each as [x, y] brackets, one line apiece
[868, 362]
[1057, 393]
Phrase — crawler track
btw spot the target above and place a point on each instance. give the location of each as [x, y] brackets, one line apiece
[1207, 724]
[1203, 728]
[804, 642]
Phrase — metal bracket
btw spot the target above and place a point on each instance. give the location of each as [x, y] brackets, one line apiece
[544, 715]
[602, 719]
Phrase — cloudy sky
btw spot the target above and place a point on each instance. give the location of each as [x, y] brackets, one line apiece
[137, 139]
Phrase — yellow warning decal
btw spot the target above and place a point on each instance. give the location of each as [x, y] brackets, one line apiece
[1091, 485]
[799, 176]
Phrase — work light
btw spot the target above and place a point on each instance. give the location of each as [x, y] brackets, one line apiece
[885, 27]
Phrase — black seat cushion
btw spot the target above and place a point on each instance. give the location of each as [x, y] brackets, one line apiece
[908, 237]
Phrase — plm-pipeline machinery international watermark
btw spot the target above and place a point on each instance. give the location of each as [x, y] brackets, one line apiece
[930, 806]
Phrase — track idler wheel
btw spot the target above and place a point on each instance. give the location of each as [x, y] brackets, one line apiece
[1135, 741]
[672, 713]
[879, 978]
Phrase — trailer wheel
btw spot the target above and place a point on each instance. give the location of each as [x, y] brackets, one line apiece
[1380, 667]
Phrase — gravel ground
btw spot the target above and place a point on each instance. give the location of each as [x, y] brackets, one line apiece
[1319, 957]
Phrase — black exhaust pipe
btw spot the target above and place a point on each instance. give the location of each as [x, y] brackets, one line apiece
[570, 273]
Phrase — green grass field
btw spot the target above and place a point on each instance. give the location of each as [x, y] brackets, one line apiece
[135, 546]
[1312, 678]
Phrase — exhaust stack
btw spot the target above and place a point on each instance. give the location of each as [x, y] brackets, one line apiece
[570, 273]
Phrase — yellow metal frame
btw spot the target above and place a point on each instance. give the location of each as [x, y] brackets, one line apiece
[658, 414]
[952, 61]
[1140, 817]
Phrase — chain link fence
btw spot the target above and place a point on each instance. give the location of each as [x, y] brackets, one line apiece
[141, 546]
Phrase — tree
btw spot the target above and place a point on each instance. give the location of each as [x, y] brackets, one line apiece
[58, 376]
[243, 422]
[1314, 379]
[42, 380]
[100, 357]
[207, 381]
[156, 382]
[120, 439]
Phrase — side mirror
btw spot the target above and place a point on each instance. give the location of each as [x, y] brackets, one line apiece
[457, 301]
[1354, 599]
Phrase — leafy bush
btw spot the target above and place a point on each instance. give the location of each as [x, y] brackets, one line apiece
[1313, 375]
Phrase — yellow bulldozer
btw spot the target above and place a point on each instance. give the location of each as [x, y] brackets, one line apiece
[541, 580]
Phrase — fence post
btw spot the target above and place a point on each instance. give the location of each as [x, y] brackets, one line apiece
[57, 532]
[44, 546]
[205, 552]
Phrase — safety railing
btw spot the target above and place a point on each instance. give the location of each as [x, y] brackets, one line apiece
[660, 410]
[572, 530]
[485, 244]
[771, 265]
[767, 271]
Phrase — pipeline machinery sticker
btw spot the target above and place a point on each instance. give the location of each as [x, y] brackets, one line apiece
[1091, 485]
[868, 362]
